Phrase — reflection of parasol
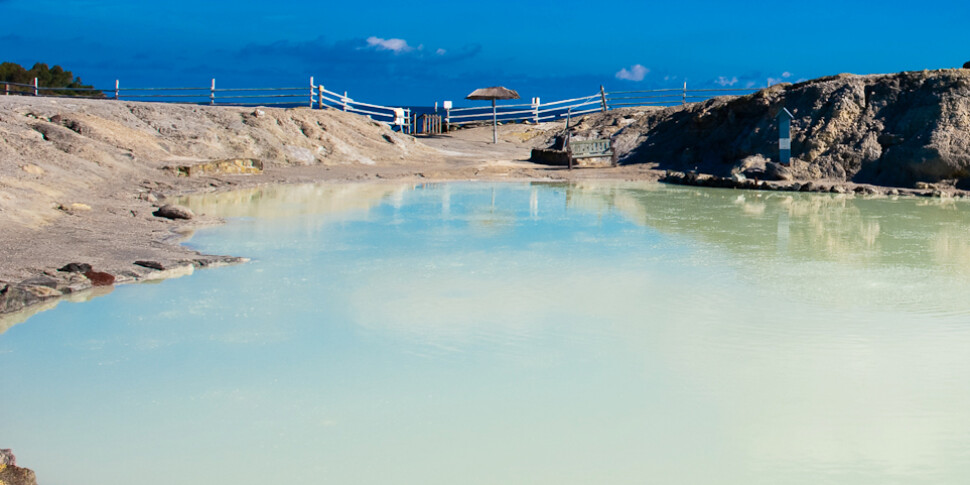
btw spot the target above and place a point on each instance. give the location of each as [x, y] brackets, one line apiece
[493, 93]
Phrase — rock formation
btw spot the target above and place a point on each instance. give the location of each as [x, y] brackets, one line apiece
[895, 129]
[11, 474]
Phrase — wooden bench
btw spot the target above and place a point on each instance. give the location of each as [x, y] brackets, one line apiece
[576, 149]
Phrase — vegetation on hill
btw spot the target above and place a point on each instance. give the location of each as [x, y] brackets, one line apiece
[47, 77]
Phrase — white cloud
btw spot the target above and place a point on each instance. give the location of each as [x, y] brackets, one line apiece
[395, 45]
[724, 81]
[440, 52]
[635, 73]
[786, 74]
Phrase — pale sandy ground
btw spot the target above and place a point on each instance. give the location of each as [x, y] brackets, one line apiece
[79, 179]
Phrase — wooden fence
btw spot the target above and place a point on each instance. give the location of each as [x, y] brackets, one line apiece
[316, 96]
[194, 95]
[667, 97]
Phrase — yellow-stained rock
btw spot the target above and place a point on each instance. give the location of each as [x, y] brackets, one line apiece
[229, 166]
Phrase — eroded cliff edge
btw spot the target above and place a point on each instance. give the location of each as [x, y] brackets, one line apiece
[892, 130]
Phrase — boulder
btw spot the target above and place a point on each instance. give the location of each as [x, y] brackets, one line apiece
[75, 268]
[7, 458]
[15, 475]
[777, 171]
[172, 211]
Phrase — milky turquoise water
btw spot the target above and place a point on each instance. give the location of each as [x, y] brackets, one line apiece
[517, 334]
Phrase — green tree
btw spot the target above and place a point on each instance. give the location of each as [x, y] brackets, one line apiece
[47, 77]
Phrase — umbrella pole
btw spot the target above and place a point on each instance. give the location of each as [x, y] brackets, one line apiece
[494, 124]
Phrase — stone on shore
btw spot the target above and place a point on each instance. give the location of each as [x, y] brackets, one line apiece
[99, 278]
[777, 171]
[172, 211]
[151, 265]
[75, 268]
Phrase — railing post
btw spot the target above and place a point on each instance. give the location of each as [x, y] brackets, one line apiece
[36, 91]
[535, 109]
[117, 88]
[320, 96]
[685, 93]
[344, 101]
[603, 98]
[6, 89]
[311, 92]
[212, 93]
[447, 106]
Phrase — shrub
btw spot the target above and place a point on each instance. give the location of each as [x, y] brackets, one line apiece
[47, 77]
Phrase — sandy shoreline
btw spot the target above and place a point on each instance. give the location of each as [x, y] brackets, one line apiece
[53, 211]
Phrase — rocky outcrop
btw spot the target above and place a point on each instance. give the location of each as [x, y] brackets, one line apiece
[11, 474]
[894, 130]
[15, 475]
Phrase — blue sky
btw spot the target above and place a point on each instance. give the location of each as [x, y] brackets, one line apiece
[398, 52]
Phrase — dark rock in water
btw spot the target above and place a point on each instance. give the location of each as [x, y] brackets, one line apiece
[150, 265]
[100, 279]
[75, 268]
[7, 458]
[777, 171]
[15, 475]
[172, 211]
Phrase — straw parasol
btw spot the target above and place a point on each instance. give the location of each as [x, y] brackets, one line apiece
[493, 93]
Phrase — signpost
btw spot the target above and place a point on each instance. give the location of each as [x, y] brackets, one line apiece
[784, 136]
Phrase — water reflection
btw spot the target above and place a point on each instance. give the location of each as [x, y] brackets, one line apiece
[519, 333]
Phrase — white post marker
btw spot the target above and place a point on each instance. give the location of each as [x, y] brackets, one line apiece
[447, 106]
[784, 136]
[311, 92]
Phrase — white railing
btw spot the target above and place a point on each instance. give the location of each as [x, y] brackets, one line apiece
[316, 96]
[321, 97]
[536, 111]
